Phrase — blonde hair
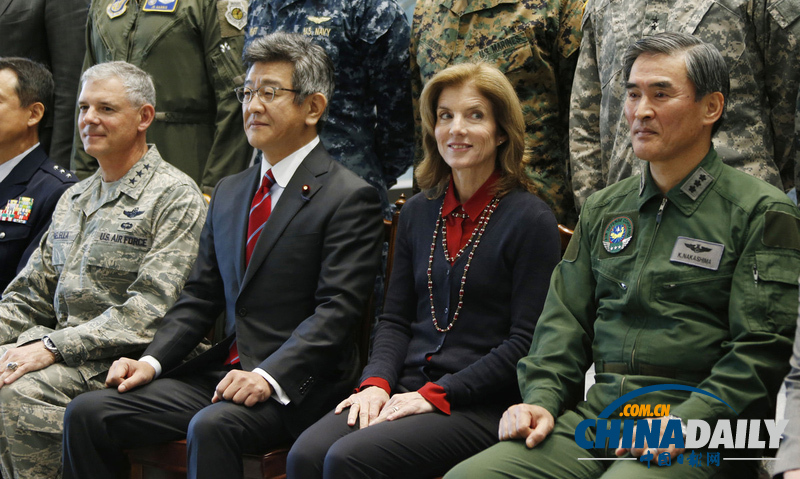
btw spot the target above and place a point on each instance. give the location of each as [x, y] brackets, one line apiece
[433, 174]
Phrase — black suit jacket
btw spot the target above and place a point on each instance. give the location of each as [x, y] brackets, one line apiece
[52, 32]
[34, 177]
[295, 308]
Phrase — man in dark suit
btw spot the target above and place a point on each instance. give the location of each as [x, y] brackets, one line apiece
[52, 32]
[292, 289]
[30, 184]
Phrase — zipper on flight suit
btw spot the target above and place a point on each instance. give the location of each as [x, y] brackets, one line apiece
[639, 279]
[132, 31]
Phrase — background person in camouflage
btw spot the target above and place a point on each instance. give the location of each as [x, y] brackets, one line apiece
[119, 249]
[758, 40]
[193, 50]
[535, 43]
[369, 128]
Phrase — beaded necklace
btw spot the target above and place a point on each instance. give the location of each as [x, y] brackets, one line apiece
[483, 220]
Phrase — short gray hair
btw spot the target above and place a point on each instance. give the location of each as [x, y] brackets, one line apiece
[313, 71]
[705, 66]
[138, 83]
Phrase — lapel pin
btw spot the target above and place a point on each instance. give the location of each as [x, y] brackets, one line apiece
[304, 191]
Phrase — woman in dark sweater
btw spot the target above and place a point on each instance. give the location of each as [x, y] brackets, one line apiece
[472, 264]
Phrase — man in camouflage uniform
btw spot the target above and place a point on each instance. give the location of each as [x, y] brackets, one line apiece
[757, 38]
[193, 49]
[369, 127]
[119, 249]
[535, 43]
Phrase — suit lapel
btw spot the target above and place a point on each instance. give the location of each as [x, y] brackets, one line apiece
[291, 201]
[241, 218]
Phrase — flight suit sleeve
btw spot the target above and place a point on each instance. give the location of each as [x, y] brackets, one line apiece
[81, 163]
[584, 119]
[223, 42]
[762, 314]
[130, 325]
[552, 374]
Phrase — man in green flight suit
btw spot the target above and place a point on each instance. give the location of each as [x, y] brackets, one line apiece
[192, 49]
[687, 276]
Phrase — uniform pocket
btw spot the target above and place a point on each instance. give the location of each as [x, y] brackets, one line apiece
[45, 419]
[776, 287]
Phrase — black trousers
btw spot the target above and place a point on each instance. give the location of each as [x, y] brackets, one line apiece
[420, 446]
[99, 425]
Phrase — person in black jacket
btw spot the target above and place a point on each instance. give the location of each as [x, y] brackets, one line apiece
[30, 183]
[472, 264]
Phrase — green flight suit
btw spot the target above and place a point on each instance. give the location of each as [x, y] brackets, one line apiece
[194, 56]
[703, 294]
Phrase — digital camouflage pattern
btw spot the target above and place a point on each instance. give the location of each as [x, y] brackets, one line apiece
[194, 56]
[757, 38]
[535, 43]
[111, 264]
[369, 128]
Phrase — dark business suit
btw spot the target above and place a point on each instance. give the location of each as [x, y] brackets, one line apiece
[51, 32]
[42, 180]
[293, 309]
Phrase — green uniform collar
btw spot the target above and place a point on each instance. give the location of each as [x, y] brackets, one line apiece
[690, 192]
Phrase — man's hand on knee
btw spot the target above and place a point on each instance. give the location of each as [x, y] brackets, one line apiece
[127, 374]
[243, 387]
[526, 421]
[24, 359]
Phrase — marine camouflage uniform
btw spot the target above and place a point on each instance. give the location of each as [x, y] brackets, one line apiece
[110, 266]
[369, 128]
[194, 56]
[702, 294]
[535, 43]
[757, 38]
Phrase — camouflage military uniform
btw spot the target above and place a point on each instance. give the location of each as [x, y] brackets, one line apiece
[535, 43]
[194, 56]
[758, 39]
[370, 127]
[112, 262]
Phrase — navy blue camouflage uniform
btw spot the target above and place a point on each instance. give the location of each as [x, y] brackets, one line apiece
[370, 124]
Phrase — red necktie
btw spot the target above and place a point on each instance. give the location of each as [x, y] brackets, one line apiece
[259, 214]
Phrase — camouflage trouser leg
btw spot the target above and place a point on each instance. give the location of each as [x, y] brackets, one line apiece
[31, 420]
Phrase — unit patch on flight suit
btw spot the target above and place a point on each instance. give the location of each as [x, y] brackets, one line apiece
[618, 234]
[161, 6]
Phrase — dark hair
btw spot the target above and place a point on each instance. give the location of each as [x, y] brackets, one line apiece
[34, 83]
[313, 71]
[433, 174]
[705, 66]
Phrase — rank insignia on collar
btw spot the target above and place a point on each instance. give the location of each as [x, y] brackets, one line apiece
[697, 183]
[618, 234]
[116, 8]
[236, 13]
[17, 211]
[161, 6]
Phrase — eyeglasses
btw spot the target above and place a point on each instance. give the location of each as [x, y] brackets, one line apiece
[266, 93]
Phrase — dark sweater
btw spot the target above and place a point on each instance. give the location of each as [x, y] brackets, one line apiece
[505, 289]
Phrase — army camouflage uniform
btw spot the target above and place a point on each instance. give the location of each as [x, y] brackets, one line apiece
[535, 43]
[757, 38]
[369, 128]
[111, 264]
[194, 57]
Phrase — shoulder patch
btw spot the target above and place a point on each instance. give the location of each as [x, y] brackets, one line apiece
[781, 230]
[232, 17]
